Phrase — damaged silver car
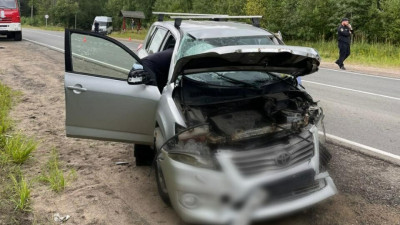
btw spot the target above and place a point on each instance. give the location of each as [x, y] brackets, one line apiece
[233, 137]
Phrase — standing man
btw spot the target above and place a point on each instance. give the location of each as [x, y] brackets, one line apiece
[344, 39]
[133, 24]
[96, 27]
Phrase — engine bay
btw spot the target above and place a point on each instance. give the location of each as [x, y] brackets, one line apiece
[273, 114]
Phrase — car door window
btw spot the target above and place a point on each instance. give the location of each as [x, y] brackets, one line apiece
[157, 40]
[149, 36]
[99, 57]
[169, 42]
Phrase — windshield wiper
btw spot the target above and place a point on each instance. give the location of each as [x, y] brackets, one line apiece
[284, 79]
[236, 81]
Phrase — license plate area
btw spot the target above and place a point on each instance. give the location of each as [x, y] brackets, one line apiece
[291, 185]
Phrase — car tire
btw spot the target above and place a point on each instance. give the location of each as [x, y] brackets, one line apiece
[10, 36]
[144, 155]
[161, 185]
[18, 36]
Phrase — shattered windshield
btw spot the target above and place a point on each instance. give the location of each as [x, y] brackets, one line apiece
[8, 4]
[192, 46]
[218, 87]
[255, 79]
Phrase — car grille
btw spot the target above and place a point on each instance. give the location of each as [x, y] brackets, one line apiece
[5, 20]
[292, 186]
[276, 157]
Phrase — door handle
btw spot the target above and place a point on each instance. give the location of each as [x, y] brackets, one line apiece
[77, 88]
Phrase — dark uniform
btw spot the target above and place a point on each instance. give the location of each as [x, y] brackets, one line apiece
[159, 64]
[96, 27]
[344, 40]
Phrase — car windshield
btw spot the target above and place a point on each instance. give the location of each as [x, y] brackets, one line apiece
[102, 23]
[8, 4]
[218, 87]
[193, 46]
[253, 79]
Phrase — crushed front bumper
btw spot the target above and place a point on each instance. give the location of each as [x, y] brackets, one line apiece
[9, 27]
[219, 197]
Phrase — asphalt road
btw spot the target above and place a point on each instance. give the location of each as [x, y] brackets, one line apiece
[56, 38]
[358, 107]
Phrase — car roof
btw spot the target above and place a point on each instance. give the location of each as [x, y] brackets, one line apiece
[218, 29]
[103, 18]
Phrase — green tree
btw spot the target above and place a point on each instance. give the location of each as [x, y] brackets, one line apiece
[64, 12]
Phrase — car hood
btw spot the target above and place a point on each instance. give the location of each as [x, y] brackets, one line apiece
[297, 61]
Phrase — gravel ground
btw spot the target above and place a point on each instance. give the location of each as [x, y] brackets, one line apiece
[104, 193]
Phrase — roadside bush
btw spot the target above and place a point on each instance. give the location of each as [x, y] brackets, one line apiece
[35, 21]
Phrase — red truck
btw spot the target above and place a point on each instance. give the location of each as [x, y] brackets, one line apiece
[10, 19]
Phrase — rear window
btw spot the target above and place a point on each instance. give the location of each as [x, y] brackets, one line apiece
[8, 4]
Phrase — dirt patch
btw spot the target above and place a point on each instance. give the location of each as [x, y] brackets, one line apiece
[106, 193]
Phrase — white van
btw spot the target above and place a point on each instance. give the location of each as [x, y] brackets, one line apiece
[105, 24]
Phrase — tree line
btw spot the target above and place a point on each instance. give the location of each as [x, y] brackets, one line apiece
[307, 20]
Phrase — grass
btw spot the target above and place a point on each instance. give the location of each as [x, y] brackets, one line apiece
[115, 34]
[130, 34]
[362, 53]
[53, 175]
[6, 99]
[51, 28]
[5, 122]
[21, 193]
[14, 150]
[18, 148]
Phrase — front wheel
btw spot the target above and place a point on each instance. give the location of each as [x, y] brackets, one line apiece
[18, 36]
[144, 155]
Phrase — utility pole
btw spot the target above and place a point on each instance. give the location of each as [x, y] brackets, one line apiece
[75, 20]
[32, 9]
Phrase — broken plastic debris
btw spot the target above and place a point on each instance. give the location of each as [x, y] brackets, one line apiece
[59, 218]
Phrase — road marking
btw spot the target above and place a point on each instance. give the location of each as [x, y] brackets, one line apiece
[362, 74]
[45, 33]
[354, 90]
[365, 147]
[45, 45]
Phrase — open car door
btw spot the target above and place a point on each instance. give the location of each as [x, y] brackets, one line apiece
[100, 104]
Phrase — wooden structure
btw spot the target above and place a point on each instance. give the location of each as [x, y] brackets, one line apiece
[135, 17]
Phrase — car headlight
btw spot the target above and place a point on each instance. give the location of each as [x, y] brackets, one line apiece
[190, 147]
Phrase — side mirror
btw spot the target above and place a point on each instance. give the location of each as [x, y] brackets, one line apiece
[279, 35]
[138, 77]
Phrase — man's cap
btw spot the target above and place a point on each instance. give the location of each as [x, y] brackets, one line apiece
[345, 19]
